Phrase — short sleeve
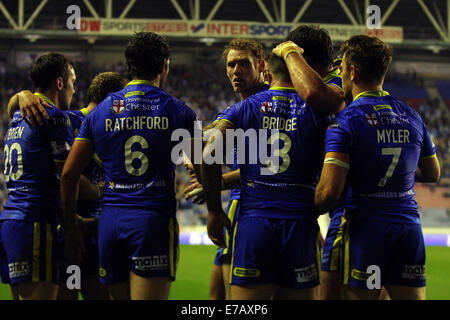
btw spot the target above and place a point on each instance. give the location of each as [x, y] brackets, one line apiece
[60, 136]
[338, 136]
[234, 115]
[428, 148]
[85, 132]
[337, 82]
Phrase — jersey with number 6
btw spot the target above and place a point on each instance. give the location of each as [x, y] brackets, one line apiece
[385, 139]
[280, 180]
[30, 154]
[131, 131]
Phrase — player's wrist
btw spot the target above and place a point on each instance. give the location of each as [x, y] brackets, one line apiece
[289, 48]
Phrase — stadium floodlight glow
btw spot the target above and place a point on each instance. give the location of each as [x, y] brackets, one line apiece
[32, 37]
[208, 41]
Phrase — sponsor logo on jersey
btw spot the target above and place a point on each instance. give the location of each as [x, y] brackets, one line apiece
[151, 263]
[19, 269]
[372, 119]
[306, 274]
[333, 125]
[414, 272]
[360, 275]
[118, 106]
[266, 107]
[246, 273]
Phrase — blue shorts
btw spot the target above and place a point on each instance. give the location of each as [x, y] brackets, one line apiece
[397, 249]
[29, 252]
[232, 212]
[278, 251]
[142, 241]
[333, 243]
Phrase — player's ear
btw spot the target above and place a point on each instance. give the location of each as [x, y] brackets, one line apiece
[59, 83]
[353, 73]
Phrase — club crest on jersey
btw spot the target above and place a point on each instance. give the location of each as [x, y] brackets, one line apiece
[266, 107]
[118, 106]
[372, 119]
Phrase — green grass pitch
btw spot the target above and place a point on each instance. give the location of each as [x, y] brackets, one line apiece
[194, 272]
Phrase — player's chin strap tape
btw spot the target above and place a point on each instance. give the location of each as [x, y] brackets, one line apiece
[337, 162]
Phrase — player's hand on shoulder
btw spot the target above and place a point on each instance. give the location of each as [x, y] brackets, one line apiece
[32, 107]
[217, 220]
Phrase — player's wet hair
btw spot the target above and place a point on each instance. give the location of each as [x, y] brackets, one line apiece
[243, 44]
[146, 53]
[278, 67]
[104, 83]
[48, 67]
[369, 55]
[316, 42]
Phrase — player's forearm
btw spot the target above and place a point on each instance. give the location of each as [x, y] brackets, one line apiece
[212, 183]
[88, 190]
[310, 86]
[69, 195]
[231, 180]
[324, 202]
[13, 105]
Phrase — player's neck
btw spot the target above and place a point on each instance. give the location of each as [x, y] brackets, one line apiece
[154, 81]
[52, 95]
[91, 106]
[357, 89]
[281, 83]
[245, 95]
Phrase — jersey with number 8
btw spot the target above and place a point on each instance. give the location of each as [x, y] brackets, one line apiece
[283, 185]
[385, 139]
[131, 131]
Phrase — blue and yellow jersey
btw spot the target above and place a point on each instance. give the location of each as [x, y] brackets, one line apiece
[334, 78]
[235, 194]
[30, 173]
[87, 207]
[131, 131]
[279, 116]
[385, 139]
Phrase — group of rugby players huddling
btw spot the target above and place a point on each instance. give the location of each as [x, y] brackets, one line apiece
[94, 188]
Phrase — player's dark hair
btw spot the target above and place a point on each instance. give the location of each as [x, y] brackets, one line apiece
[146, 53]
[243, 44]
[369, 55]
[278, 67]
[48, 67]
[104, 83]
[316, 42]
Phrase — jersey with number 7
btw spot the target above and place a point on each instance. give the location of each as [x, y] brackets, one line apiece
[385, 139]
[131, 131]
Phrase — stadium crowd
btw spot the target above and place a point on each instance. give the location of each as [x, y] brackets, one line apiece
[207, 94]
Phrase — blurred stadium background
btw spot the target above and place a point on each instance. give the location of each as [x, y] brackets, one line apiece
[197, 30]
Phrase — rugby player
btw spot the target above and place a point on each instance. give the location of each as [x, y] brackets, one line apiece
[245, 67]
[320, 86]
[34, 157]
[276, 250]
[88, 210]
[131, 133]
[380, 146]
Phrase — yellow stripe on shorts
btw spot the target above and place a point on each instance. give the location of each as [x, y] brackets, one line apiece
[232, 258]
[36, 251]
[347, 253]
[171, 242]
[48, 254]
[335, 249]
[231, 214]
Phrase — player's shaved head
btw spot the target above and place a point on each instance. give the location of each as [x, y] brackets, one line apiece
[48, 67]
[242, 44]
[369, 55]
[146, 53]
[104, 83]
[316, 42]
